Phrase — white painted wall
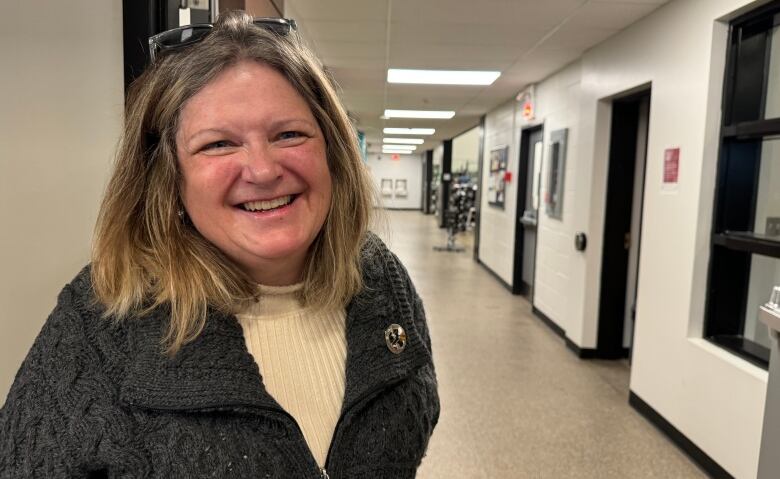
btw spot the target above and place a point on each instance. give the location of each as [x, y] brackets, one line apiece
[713, 397]
[407, 167]
[710, 395]
[497, 227]
[61, 100]
[558, 266]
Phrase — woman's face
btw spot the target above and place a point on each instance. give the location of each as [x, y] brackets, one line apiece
[255, 177]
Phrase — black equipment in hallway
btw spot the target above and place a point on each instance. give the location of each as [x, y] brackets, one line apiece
[459, 215]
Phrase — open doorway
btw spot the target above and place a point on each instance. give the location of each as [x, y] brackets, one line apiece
[529, 174]
[623, 224]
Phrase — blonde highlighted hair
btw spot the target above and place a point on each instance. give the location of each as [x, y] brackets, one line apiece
[145, 255]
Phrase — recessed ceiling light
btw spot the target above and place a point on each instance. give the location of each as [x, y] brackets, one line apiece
[444, 115]
[406, 141]
[441, 77]
[409, 131]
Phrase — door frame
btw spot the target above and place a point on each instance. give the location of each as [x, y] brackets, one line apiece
[613, 280]
[519, 287]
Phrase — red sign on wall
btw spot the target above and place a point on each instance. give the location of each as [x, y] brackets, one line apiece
[671, 166]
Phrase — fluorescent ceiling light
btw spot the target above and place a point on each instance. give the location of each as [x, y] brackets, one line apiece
[445, 115]
[441, 77]
[407, 141]
[396, 151]
[409, 131]
[399, 148]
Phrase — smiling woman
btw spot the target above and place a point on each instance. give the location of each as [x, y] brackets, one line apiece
[238, 318]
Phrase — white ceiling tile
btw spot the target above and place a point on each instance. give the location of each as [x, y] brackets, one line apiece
[486, 12]
[346, 63]
[345, 31]
[449, 57]
[610, 15]
[353, 49]
[575, 37]
[350, 36]
[643, 2]
[454, 35]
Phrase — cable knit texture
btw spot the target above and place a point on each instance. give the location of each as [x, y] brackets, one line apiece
[302, 355]
[96, 398]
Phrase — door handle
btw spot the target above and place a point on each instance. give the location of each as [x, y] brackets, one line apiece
[627, 241]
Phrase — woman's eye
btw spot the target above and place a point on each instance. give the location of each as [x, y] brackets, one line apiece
[217, 145]
[289, 135]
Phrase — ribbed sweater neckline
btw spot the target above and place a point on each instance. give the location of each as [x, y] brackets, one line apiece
[276, 301]
[279, 290]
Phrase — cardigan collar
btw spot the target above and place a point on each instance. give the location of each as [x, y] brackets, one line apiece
[216, 371]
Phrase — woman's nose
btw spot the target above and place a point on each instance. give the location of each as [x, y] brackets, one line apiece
[261, 165]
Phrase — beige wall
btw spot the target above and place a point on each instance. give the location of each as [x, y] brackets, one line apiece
[60, 106]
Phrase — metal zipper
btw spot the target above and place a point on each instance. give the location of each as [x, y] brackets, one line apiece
[324, 474]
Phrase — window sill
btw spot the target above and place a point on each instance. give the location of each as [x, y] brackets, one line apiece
[746, 349]
[749, 242]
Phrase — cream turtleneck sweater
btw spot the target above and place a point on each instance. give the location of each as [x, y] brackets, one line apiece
[302, 357]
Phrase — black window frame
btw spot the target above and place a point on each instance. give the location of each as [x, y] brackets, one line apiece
[743, 129]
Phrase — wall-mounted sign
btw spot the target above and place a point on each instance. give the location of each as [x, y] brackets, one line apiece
[556, 173]
[497, 178]
[527, 100]
[671, 166]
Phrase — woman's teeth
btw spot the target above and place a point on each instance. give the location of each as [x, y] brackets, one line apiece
[267, 205]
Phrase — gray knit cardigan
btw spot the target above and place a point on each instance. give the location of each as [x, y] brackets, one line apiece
[96, 398]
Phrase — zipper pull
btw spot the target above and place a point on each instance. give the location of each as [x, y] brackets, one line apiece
[324, 474]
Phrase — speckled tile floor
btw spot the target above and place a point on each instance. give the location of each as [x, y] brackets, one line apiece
[516, 403]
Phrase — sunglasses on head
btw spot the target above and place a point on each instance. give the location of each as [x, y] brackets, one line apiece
[182, 36]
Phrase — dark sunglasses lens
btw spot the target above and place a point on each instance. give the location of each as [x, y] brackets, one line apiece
[183, 36]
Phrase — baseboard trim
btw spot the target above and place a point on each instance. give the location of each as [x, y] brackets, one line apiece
[582, 353]
[698, 456]
[522, 289]
[495, 275]
[550, 323]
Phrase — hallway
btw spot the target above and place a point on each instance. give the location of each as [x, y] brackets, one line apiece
[516, 403]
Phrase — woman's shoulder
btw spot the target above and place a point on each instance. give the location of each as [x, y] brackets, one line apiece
[376, 252]
[78, 318]
[77, 299]
[379, 263]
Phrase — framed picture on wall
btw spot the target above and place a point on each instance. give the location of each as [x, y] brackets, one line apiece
[400, 189]
[387, 187]
[497, 178]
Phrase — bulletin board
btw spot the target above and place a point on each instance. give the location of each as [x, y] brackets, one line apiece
[497, 178]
